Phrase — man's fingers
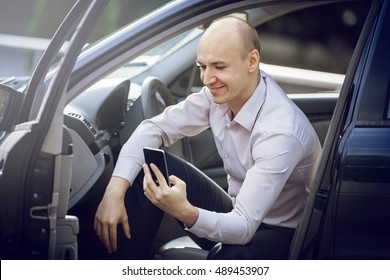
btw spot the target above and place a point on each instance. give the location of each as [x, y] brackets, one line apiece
[106, 232]
[148, 175]
[96, 225]
[104, 238]
[126, 228]
[160, 177]
[148, 179]
[110, 240]
[150, 194]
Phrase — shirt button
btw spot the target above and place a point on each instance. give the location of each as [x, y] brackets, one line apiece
[226, 155]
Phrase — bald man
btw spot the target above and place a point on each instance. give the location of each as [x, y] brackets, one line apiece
[268, 147]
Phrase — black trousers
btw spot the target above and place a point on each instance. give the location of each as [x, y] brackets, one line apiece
[269, 242]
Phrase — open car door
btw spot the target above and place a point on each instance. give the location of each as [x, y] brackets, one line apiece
[36, 151]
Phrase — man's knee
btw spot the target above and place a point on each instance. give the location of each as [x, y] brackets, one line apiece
[228, 252]
[268, 243]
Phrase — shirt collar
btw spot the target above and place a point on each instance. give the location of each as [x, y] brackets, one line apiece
[249, 113]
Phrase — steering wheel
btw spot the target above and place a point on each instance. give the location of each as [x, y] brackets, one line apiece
[155, 97]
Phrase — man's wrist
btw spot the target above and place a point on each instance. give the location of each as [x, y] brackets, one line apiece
[118, 185]
[189, 216]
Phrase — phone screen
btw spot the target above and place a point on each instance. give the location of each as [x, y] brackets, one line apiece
[157, 156]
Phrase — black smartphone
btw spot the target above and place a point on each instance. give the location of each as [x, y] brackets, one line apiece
[157, 156]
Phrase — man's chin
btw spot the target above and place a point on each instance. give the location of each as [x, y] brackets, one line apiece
[219, 100]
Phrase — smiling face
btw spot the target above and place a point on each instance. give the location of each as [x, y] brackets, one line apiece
[228, 67]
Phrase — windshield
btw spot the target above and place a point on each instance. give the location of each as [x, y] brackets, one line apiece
[144, 61]
[156, 54]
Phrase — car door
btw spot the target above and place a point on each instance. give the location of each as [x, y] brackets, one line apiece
[348, 212]
[36, 155]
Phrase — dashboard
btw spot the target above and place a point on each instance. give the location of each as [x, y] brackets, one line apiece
[94, 119]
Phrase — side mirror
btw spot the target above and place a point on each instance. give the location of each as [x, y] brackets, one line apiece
[10, 105]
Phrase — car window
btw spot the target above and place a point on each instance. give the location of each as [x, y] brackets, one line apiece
[374, 107]
[319, 38]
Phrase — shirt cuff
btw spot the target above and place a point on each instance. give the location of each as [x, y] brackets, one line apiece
[127, 169]
[204, 225]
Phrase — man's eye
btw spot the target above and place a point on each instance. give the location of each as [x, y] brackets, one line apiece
[201, 67]
[220, 67]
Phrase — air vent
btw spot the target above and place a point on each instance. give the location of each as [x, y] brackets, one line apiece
[86, 122]
[89, 125]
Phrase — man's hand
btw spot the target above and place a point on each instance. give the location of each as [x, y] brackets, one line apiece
[111, 212]
[172, 200]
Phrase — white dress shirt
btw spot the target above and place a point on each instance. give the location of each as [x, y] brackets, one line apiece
[269, 151]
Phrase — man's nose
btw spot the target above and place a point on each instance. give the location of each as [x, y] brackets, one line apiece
[208, 77]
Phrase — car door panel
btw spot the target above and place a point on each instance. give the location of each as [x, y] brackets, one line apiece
[363, 213]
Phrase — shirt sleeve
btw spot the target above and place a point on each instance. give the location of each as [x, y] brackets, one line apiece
[275, 157]
[186, 118]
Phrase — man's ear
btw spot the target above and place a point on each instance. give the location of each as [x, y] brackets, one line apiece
[254, 60]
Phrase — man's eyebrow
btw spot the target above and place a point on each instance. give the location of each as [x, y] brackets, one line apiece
[219, 62]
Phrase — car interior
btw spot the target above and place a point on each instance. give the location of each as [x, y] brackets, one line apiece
[102, 118]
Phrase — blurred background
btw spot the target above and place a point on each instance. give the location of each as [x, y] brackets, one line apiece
[298, 39]
[40, 19]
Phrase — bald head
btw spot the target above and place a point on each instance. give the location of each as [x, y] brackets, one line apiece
[235, 32]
